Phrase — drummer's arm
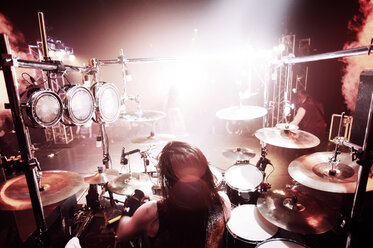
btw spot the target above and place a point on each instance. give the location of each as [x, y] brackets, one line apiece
[141, 222]
[299, 116]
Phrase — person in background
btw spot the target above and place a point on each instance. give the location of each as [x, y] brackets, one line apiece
[310, 115]
[192, 212]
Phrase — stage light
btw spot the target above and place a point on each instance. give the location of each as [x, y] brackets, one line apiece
[79, 105]
[72, 57]
[42, 107]
[108, 101]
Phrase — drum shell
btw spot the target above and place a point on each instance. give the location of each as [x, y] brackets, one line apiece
[238, 198]
[281, 242]
[243, 194]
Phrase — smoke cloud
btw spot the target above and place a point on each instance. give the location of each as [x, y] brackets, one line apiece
[20, 50]
[362, 24]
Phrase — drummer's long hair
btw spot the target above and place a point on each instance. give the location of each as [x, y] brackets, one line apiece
[191, 200]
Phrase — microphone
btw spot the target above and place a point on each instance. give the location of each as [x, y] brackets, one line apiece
[123, 159]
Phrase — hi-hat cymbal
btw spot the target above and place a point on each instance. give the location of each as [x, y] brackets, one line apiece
[296, 211]
[241, 113]
[143, 116]
[296, 139]
[153, 139]
[127, 183]
[315, 171]
[56, 186]
[239, 153]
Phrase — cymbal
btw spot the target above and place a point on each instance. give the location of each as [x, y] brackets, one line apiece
[57, 186]
[296, 139]
[153, 139]
[239, 153]
[240, 113]
[287, 126]
[296, 211]
[143, 116]
[126, 184]
[100, 178]
[315, 171]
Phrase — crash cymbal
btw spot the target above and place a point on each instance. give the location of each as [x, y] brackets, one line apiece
[127, 183]
[297, 211]
[143, 116]
[56, 185]
[241, 113]
[239, 153]
[153, 139]
[315, 171]
[296, 139]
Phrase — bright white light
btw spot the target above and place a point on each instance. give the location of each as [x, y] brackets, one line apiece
[281, 47]
[72, 57]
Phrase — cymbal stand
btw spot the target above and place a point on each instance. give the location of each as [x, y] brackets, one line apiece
[333, 160]
[263, 161]
[365, 161]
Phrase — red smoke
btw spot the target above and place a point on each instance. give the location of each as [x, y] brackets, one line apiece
[362, 24]
[19, 50]
[16, 39]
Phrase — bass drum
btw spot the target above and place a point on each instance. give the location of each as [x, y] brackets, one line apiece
[281, 243]
[247, 227]
[242, 183]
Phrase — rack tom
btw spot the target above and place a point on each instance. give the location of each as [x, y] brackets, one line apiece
[242, 183]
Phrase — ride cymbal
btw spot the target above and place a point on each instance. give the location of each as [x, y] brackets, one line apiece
[316, 171]
[56, 185]
[296, 211]
[241, 113]
[296, 139]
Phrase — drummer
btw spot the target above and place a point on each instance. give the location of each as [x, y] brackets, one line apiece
[192, 214]
[310, 115]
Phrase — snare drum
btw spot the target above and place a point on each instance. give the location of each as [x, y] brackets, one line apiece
[242, 183]
[280, 243]
[247, 227]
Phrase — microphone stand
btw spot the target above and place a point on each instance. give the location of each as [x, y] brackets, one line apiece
[365, 160]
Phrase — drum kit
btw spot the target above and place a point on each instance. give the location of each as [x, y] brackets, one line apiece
[259, 212]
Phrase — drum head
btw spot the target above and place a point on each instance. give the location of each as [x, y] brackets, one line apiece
[243, 177]
[248, 224]
[280, 243]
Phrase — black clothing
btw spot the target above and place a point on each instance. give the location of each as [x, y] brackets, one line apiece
[180, 227]
[313, 120]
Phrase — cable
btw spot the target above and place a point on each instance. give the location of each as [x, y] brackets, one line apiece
[273, 169]
[33, 81]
